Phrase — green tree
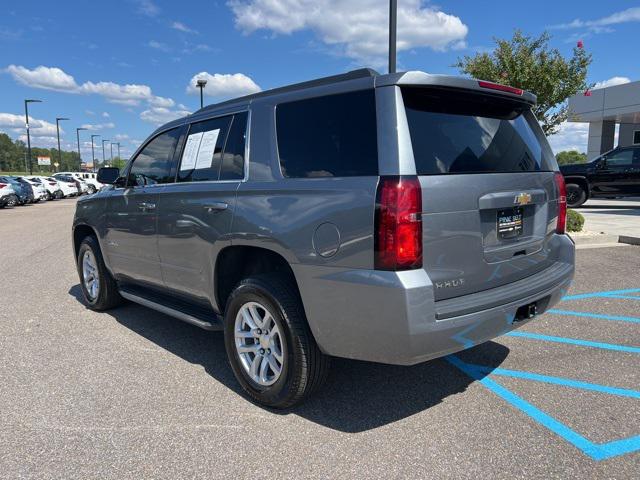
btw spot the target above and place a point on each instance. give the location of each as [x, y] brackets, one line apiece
[571, 156]
[529, 63]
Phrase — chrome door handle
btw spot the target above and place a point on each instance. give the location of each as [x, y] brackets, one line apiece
[215, 207]
[145, 206]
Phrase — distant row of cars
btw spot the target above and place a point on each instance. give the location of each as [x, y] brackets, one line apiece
[21, 190]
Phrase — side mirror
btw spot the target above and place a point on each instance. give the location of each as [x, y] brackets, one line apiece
[108, 175]
[602, 163]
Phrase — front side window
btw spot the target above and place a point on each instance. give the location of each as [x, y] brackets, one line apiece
[153, 164]
[330, 136]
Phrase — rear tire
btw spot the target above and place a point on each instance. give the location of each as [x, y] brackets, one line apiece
[12, 201]
[99, 289]
[295, 366]
[576, 195]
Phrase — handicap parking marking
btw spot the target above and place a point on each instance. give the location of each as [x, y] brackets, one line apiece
[595, 451]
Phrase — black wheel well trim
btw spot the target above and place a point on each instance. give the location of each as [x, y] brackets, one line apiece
[243, 261]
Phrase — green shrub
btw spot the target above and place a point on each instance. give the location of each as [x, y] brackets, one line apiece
[575, 221]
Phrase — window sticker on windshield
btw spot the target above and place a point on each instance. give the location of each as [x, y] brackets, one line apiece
[191, 151]
[207, 148]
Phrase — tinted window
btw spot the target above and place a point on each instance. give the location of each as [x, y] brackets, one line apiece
[153, 163]
[202, 152]
[636, 137]
[458, 132]
[332, 136]
[233, 156]
[621, 158]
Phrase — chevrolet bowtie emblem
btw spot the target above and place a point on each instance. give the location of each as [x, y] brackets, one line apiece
[522, 199]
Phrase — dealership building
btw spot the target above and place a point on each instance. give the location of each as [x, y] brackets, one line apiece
[603, 109]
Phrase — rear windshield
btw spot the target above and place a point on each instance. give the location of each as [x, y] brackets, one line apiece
[460, 132]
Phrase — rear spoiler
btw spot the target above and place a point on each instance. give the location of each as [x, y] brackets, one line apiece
[416, 78]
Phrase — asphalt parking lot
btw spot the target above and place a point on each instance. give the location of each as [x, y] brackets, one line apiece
[135, 394]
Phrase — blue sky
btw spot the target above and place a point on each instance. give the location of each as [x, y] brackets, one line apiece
[123, 67]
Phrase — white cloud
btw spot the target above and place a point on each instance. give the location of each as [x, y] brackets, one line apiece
[42, 142]
[159, 46]
[121, 137]
[105, 115]
[148, 8]
[182, 27]
[48, 78]
[599, 25]
[223, 85]
[37, 128]
[358, 29]
[570, 136]
[53, 78]
[611, 82]
[99, 126]
[160, 115]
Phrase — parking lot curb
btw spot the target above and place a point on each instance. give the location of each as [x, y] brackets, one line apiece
[594, 239]
[629, 240]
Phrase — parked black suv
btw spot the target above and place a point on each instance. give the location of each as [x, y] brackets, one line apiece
[613, 174]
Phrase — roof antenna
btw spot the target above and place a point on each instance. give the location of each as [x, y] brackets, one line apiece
[393, 16]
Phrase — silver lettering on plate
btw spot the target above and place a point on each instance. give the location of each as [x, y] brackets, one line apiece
[456, 282]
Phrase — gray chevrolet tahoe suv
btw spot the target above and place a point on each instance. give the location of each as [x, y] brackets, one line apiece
[390, 218]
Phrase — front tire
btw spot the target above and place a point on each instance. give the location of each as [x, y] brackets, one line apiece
[91, 190]
[99, 289]
[576, 195]
[269, 344]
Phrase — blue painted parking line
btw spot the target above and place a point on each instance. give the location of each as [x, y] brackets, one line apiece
[599, 316]
[582, 296]
[565, 382]
[575, 341]
[595, 451]
[628, 297]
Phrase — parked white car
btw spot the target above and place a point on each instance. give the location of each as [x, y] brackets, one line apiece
[8, 196]
[39, 190]
[89, 178]
[69, 188]
[54, 190]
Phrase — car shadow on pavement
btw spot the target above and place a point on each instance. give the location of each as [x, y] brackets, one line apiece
[357, 397]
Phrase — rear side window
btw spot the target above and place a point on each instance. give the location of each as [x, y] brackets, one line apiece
[233, 156]
[331, 136]
[202, 153]
[153, 164]
[460, 132]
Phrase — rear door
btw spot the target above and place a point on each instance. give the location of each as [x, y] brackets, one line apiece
[489, 195]
[616, 174]
[131, 217]
[195, 213]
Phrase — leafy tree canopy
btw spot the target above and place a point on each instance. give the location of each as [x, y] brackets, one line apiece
[529, 63]
[571, 156]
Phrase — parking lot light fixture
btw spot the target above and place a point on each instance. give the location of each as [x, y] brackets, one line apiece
[111, 159]
[103, 157]
[201, 84]
[26, 116]
[93, 155]
[58, 120]
[79, 155]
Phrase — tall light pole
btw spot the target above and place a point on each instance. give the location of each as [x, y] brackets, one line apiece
[103, 159]
[111, 159]
[119, 157]
[393, 21]
[201, 84]
[26, 116]
[79, 154]
[58, 120]
[93, 155]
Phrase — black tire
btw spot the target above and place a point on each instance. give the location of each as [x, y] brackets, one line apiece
[12, 201]
[107, 296]
[58, 194]
[304, 368]
[576, 195]
[91, 190]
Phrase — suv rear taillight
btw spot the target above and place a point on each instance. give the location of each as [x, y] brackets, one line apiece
[2, 185]
[562, 204]
[398, 223]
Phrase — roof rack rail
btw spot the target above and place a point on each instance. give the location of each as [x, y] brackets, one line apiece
[352, 75]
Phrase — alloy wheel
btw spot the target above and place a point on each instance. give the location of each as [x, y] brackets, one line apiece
[259, 344]
[90, 275]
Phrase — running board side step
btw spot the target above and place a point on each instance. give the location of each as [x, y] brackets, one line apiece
[197, 319]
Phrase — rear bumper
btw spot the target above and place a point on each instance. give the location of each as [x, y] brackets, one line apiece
[391, 317]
